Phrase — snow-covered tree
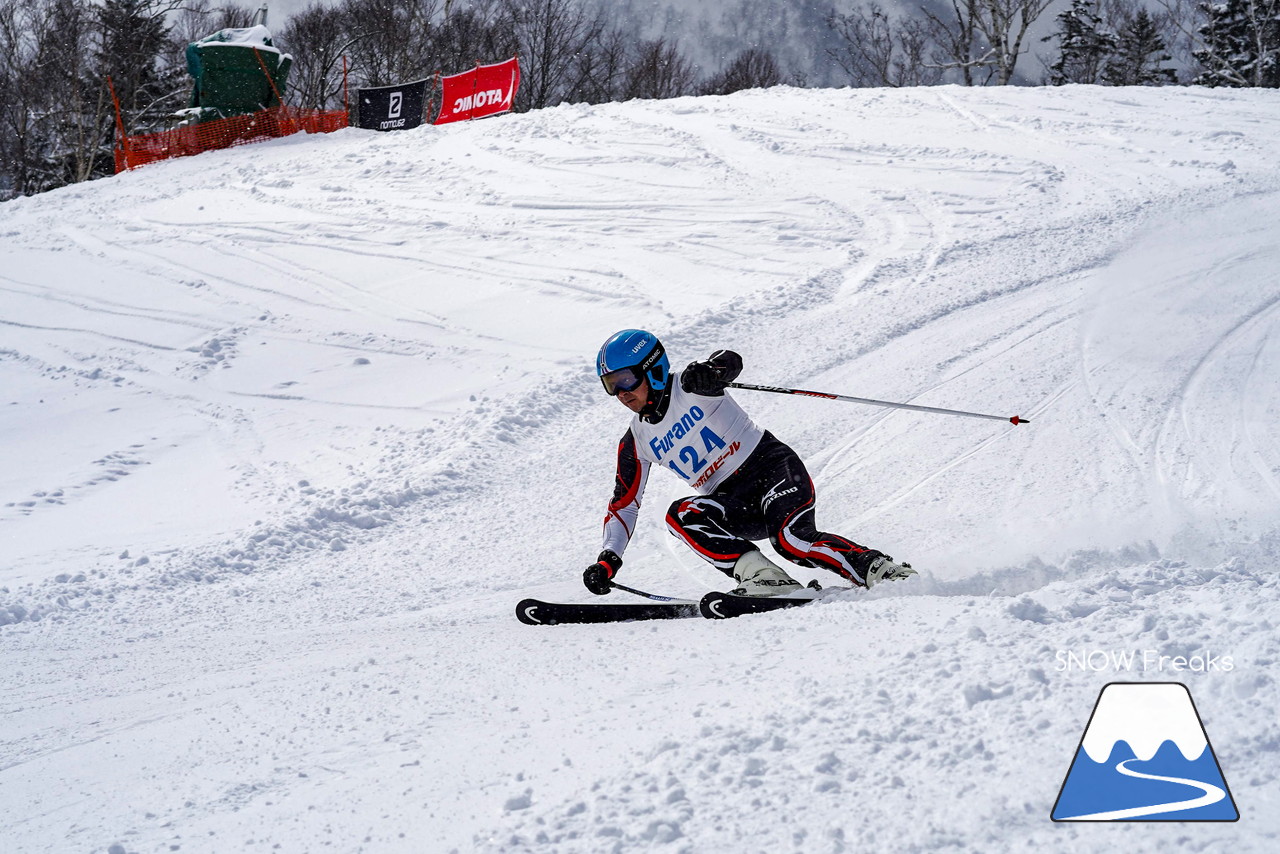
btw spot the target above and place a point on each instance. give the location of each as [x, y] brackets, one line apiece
[1084, 44]
[1140, 54]
[1240, 43]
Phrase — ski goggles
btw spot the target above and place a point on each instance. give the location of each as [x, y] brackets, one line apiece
[623, 379]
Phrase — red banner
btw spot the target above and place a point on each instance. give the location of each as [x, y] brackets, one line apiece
[484, 91]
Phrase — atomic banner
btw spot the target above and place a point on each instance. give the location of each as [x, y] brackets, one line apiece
[486, 90]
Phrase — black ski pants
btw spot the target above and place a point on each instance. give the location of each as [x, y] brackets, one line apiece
[771, 496]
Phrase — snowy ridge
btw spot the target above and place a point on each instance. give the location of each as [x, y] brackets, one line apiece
[290, 429]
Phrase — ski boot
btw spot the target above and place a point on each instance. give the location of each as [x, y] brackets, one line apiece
[758, 576]
[884, 569]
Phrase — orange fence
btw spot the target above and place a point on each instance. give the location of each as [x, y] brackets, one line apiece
[224, 133]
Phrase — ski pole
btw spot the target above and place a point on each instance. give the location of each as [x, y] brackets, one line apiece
[748, 386]
[655, 597]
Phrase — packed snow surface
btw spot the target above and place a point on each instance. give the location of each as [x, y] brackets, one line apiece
[289, 429]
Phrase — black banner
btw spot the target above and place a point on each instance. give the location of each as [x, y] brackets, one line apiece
[392, 107]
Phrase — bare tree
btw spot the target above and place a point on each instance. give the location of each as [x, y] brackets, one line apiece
[985, 35]
[477, 33]
[231, 16]
[959, 46]
[1004, 24]
[552, 34]
[601, 69]
[659, 70]
[21, 97]
[79, 114]
[1178, 23]
[195, 19]
[389, 39]
[753, 68]
[317, 38]
[879, 50]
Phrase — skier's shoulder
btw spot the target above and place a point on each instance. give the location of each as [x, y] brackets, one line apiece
[630, 438]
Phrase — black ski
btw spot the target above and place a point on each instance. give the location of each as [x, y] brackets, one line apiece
[534, 612]
[722, 606]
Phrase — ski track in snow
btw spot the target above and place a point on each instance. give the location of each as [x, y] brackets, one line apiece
[292, 427]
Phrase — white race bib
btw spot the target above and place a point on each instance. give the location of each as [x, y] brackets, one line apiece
[701, 439]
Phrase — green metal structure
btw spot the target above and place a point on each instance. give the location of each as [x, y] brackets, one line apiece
[236, 72]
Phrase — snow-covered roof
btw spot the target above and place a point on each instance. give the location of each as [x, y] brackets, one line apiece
[256, 36]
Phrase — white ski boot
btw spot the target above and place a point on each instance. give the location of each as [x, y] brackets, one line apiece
[758, 576]
[884, 569]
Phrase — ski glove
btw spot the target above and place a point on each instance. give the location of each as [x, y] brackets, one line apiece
[710, 378]
[598, 575]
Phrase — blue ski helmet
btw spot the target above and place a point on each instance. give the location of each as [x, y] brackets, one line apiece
[628, 358]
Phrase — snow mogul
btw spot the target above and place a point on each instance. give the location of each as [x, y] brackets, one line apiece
[750, 485]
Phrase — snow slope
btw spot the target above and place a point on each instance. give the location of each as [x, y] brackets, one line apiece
[289, 429]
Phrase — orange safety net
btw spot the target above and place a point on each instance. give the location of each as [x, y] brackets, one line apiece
[223, 133]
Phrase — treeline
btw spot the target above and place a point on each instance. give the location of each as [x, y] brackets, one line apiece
[58, 123]
[571, 51]
[1107, 42]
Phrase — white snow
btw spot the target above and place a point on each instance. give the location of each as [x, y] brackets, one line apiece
[1144, 717]
[289, 429]
[256, 36]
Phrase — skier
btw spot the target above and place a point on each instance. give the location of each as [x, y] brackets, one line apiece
[751, 486]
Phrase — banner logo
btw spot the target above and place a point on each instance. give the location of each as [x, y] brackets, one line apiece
[1145, 756]
[486, 90]
[398, 107]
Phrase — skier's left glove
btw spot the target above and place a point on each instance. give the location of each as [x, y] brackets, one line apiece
[710, 378]
[599, 574]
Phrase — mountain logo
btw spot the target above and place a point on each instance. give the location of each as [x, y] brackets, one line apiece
[1145, 756]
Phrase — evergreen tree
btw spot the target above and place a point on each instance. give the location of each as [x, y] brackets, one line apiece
[79, 115]
[133, 53]
[1139, 56]
[1084, 46]
[1241, 43]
